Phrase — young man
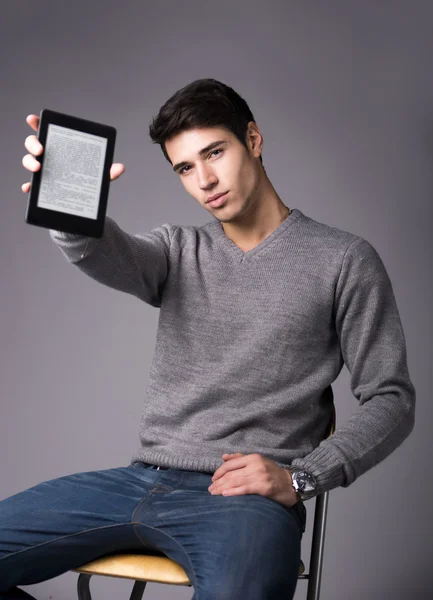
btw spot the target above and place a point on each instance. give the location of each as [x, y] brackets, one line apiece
[259, 310]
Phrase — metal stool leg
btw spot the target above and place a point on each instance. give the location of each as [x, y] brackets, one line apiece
[138, 590]
[83, 587]
[317, 545]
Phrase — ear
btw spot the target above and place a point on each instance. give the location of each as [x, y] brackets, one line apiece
[254, 139]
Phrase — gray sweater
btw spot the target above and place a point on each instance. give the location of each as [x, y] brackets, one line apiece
[249, 343]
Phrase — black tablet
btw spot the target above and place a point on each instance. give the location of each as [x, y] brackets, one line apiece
[70, 191]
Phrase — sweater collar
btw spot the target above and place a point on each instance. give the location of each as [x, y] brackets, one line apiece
[223, 238]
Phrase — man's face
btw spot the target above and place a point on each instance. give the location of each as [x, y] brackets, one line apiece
[227, 166]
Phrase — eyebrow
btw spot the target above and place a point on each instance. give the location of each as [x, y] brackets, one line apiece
[202, 152]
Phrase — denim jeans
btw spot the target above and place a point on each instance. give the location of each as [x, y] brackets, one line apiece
[231, 547]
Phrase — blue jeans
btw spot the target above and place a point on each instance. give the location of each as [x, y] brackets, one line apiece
[231, 547]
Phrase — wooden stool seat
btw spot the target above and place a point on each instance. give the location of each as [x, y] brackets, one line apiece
[142, 567]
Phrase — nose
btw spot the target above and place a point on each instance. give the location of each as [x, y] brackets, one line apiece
[206, 178]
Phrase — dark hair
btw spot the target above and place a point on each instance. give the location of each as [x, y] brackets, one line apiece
[201, 103]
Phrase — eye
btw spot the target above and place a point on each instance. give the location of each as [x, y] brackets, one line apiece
[213, 152]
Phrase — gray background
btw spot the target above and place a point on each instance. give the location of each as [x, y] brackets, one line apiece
[343, 94]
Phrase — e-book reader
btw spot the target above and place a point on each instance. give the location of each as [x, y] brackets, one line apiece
[70, 191]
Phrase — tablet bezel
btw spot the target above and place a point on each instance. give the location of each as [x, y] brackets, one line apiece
[61, 221]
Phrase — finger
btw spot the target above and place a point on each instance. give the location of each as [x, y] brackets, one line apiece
[116, 170]
[236, 462]
[230, 490]
[26, 187]
[237, 491]
[33, 145]
[30, 163]
[33, 121]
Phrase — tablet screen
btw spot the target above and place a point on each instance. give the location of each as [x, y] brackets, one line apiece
[72, 174]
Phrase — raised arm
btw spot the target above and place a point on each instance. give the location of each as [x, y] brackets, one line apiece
[135, 264]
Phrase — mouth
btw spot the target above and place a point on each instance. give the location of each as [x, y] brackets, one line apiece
[217, 200]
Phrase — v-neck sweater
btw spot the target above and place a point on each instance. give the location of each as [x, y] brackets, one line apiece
[249, 343]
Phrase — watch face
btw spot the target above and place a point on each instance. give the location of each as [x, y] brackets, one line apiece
[306, 481]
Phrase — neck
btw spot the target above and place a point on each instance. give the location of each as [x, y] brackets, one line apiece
[256, 220]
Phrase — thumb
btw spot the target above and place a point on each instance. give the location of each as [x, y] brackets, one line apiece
[116, 170]
[229, 456]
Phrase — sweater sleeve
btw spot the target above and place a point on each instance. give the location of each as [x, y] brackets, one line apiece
[373, 348]
[135, 264]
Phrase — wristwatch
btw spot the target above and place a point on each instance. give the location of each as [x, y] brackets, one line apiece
[304, 483]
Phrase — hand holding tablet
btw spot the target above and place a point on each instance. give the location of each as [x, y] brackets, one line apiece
[70, 183]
